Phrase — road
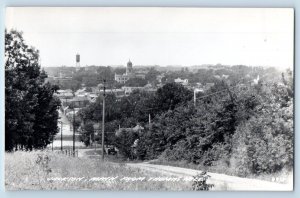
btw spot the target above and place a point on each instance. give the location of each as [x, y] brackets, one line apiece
[221, 181]
[67, 134]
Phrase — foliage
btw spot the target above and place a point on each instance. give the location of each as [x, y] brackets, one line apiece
[151, 75]
[87, 133]
[200, 182]
[151, 142]
[124, 142]
[30, 107]
[247, 127]
[136, 82]
[264, 144]
[171, 95]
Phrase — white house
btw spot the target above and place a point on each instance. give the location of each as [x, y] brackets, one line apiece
[182, 81]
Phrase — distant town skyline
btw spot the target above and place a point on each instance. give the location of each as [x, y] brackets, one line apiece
[157, 36]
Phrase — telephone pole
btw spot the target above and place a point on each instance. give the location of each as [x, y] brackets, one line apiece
[195, 95]
[103, 119]
[74, 130]
[229, 92]
[52, 142]
[61, 134]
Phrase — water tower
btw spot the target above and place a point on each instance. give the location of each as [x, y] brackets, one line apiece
[77, 62]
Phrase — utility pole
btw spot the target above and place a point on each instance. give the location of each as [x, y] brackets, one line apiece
[52, 142]
[61, 134]
[74, 130]
[195, 97]
[229, 92]
[103, 120]
[94, 139]
[150, 125]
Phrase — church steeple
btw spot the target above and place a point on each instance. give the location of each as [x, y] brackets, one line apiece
[129, 64]
[129, 69]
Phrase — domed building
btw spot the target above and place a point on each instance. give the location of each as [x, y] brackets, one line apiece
[122, 78]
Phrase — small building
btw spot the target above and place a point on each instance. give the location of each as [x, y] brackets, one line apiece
[208, 86]
[81, 92]
[77, 102]
[118, 92]
[160, 77]
[121, 78]
[139, 75]
[59, 80]
[138, 128]
[92, 97]
[129, 90]
[181, 81]
[64, 94]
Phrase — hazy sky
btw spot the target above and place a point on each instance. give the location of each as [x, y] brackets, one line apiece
[162, 36]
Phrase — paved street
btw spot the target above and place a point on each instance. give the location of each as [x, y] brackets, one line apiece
[67, 133]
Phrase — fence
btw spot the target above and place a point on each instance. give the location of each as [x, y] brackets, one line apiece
[68, 152]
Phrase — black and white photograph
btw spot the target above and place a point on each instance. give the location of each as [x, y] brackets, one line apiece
[149, 99]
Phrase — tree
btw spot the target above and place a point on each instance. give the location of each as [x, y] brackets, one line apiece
[136, 82]
[264, 142]
[87, 134]
[171, 95]
[124, 142]
[151, 75]
[30, 107]
[46, 117]
[152, 142]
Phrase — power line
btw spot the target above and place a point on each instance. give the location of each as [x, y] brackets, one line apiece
[219, 91]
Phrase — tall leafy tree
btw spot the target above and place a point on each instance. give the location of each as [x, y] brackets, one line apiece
[172, 95]
[30, 107]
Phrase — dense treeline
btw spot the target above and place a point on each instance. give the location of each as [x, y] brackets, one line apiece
[246, 127]
[30, 107]
[250, 133]
[134, 109]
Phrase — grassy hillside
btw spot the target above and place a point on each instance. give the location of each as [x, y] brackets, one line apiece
[40, 170]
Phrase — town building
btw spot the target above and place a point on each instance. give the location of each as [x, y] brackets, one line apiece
[129, 90]
[137, 129]
[77, 102]
[122, 78]
[119, 93]
[182, 81]
[147, 88]
[64, 94]
[61, 80]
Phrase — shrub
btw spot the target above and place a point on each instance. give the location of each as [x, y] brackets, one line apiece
[200, 182]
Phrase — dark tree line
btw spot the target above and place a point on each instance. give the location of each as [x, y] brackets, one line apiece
[30, 107]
